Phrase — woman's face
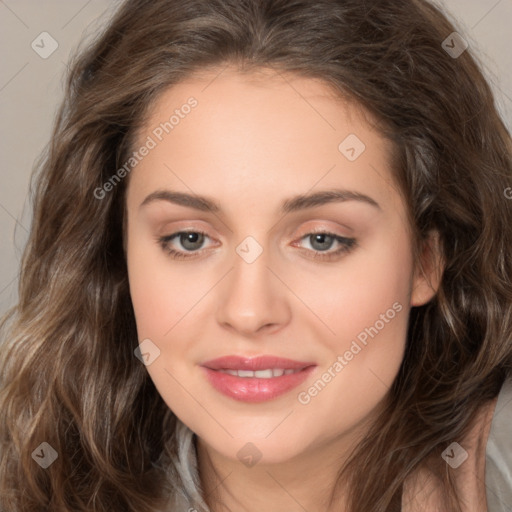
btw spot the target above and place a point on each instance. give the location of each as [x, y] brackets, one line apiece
[259, 282]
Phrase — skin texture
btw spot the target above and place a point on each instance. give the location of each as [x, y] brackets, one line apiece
[252, 142]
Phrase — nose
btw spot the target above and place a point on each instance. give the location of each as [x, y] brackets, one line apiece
[253, 298]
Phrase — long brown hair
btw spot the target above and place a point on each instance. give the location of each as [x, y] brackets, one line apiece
[69, 375]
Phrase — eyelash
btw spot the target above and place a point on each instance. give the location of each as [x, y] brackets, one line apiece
[347, 245]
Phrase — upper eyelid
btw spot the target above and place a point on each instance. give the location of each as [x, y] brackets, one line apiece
[312, 231]
[175, 236]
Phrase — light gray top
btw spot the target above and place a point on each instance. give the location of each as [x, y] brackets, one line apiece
[498, 454]
[498, 458]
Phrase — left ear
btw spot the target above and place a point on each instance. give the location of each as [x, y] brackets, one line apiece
[428, 271]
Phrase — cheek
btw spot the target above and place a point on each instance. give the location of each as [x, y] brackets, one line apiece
[362, 287]
[161, 300]
[161, 294]
[366, 305]
[151, 305]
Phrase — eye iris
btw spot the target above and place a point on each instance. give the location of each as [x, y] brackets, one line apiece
[321, 238]
[193, 238]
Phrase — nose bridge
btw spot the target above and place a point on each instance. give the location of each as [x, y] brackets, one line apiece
[252, 297]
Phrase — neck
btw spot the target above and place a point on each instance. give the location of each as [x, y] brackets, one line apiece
[308, 481]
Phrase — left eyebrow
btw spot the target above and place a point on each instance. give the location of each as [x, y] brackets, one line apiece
[293, 204]
[322, 197]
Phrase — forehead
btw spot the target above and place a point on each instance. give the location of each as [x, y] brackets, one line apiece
[257, 130]
[247, 91]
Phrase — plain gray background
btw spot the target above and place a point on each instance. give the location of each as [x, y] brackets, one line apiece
[31, 88]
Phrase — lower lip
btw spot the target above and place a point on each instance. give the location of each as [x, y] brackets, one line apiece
[252, 389]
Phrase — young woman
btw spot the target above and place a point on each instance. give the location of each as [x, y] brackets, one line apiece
[269, 269]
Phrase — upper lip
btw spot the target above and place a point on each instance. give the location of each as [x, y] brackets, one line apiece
[254, 363]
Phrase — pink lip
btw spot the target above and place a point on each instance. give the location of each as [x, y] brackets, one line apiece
[253, 389]
[254, 363]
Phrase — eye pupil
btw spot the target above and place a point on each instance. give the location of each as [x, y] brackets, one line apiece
[321, 237]
[191, 238]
